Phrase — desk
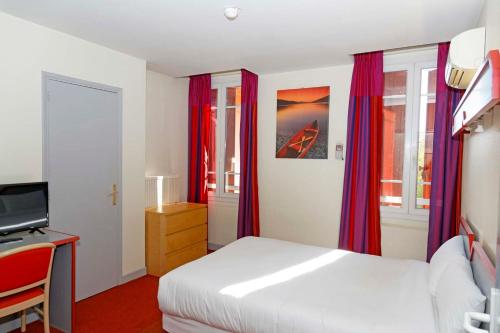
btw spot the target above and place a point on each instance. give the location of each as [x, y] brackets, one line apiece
[62, 282]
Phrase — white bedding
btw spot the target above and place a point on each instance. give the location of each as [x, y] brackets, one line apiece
[266, 285]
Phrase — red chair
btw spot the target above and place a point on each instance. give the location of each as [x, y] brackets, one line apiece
[25, 281]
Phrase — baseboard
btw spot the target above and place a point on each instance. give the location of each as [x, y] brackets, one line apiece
[214, 247]
[134, 275]
[13, 322]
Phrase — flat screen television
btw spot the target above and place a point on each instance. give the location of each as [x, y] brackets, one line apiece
[23, 206]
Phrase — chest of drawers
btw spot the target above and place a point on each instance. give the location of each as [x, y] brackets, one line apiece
[175, 234]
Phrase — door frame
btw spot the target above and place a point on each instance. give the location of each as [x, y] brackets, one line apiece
[46, 77]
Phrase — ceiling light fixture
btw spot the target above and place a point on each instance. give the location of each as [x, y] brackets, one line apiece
[231, 13]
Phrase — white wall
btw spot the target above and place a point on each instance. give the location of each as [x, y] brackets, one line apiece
[404, 239]
[481, 167]
[222, 222]
[167, 128]
[300, 200]
[481, 181]
[28, 49]
[489, 18]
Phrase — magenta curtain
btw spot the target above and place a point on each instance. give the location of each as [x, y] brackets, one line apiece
[446, 185]
[199, 136]
[360, 217]
[248, 212]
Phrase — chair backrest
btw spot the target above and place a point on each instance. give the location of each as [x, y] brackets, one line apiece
[25, 267]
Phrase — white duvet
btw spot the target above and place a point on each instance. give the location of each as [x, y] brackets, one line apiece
[266, 285]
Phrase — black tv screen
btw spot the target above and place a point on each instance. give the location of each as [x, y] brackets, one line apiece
[23, 206]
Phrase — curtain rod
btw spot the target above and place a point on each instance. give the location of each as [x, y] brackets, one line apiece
[404, 49]
[423, 47]
[219, 73]
[228, 72]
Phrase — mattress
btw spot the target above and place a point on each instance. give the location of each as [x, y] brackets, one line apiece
[175, 324]
[267, 285]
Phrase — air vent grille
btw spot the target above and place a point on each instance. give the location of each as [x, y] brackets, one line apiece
[456, 77]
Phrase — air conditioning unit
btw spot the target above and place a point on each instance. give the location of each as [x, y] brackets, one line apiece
[465, 56]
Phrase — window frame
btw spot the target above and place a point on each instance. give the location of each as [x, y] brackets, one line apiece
[221, 83]
[413, 63]
[419, 67]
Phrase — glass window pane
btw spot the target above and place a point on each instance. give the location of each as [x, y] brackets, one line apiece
[429, 81]
[395, 83]
[212, 143]
[393, 140]
[425, 137]
[232, 153]
[233, 96]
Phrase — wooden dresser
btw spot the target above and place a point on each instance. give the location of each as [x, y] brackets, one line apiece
[175, 234]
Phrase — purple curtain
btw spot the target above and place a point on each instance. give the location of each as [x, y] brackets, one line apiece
[446, 186]
[248, 212]
[360, 218]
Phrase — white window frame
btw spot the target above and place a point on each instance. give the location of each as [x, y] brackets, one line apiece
[416, 121]
[412, 62]
[221, 83]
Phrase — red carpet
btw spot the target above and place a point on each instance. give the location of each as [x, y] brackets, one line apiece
[131, 307]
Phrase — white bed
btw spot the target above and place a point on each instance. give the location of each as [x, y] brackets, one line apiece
[266, 285]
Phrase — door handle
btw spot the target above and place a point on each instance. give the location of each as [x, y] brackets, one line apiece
[113, 194]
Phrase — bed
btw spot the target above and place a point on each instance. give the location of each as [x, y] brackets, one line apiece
[267, 285]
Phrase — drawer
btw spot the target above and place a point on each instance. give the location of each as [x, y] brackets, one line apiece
[181, 257]
[185, 238]
[185, 220]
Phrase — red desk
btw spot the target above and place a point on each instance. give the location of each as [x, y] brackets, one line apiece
[62, 282]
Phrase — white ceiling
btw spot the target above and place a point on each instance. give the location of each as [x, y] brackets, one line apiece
[182, 37]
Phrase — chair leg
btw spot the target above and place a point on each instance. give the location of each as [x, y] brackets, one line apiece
[23, 321]
[46, 321]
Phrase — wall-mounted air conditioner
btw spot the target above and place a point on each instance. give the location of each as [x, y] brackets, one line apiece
[465, 56]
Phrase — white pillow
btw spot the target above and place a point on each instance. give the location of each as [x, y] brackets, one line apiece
[456, 294]
[448, 252]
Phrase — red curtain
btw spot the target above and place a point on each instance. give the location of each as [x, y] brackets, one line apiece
[444, 213]
[199, 136]
[248, 212]
[360, 217]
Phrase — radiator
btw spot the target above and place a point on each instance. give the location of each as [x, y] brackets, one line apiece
[161, 190]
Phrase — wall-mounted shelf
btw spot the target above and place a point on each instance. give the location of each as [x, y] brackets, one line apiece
[482, 94]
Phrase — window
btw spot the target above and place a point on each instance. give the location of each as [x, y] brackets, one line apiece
[393, 142]
[408, 129]
[224, 142]
[425, 136]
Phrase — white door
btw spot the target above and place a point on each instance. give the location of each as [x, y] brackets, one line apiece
[82, 166]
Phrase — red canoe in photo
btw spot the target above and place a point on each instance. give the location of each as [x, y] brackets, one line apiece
[300, 143]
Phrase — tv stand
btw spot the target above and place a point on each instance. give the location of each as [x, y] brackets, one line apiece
[33, 230]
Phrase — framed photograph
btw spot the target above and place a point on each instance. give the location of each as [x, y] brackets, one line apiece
[302, 123]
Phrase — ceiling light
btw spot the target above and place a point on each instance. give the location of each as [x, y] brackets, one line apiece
[231, 13]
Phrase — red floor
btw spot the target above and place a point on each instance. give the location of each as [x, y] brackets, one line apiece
[131, 307]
